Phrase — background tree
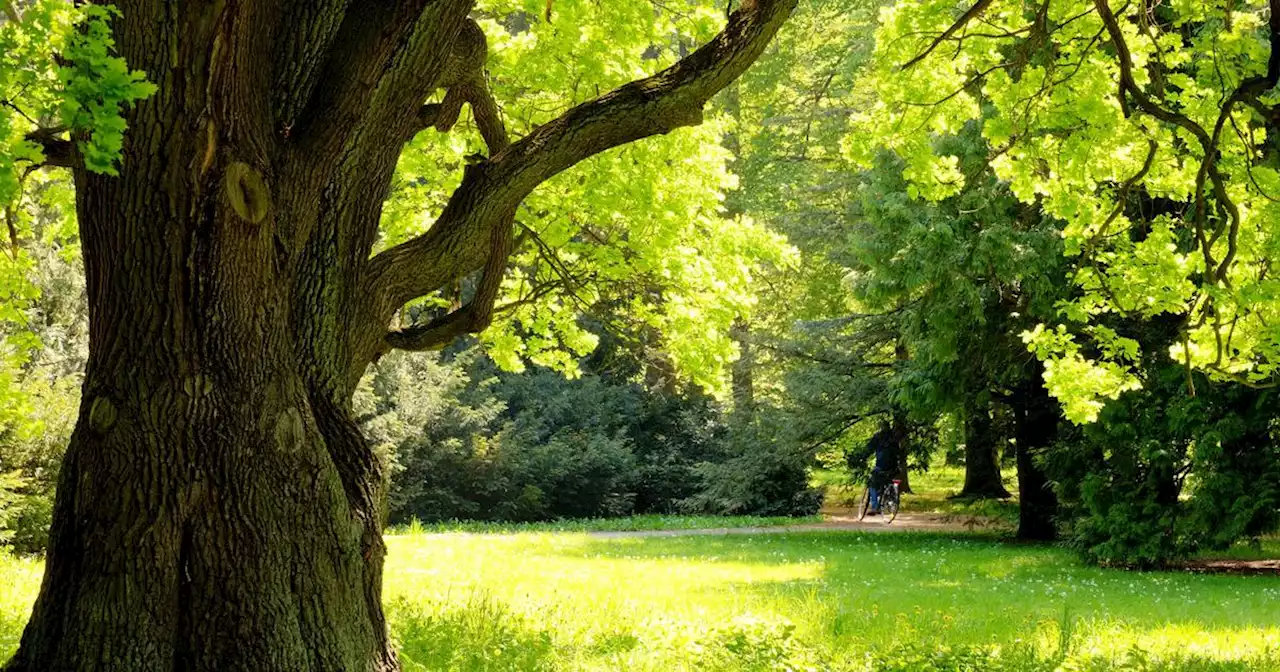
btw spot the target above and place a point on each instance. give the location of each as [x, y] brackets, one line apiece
[1145, 131]
[963, 278]
[218, 507]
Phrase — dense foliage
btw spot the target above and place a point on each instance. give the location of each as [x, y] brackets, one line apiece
[1145, 133]
[1163, 475]
[469, 441]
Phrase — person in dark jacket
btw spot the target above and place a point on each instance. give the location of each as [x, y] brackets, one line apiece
[883, 446]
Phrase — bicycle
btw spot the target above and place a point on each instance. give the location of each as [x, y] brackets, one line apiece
[890, 500]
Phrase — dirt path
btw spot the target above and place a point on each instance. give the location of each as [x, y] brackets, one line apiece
[1244, 567]
[836, 521]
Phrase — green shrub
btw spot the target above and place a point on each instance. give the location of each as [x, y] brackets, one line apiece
[25, 514]
[765, 475]
[465, 441]
[30, 456]
[934, 657]
[1164, 474]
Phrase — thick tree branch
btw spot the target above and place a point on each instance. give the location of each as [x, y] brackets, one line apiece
[371, 42]
[456, 244]
[57, 152]
[471, 318]
[464, 80]
[306, 30]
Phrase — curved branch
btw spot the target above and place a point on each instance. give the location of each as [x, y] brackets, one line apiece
[1208, 172]
[978, 8]
[1129, 85]
[471, 318]
[455, 245]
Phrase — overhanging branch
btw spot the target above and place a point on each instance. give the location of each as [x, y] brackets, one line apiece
[977, 9]
[457, 243]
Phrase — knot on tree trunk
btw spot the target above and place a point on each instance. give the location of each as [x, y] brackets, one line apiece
[247, 192]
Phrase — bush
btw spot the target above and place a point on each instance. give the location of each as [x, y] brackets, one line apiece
[755, 644]
[25, 514]
[30, 457]
[931, 657]
[465, 441]
[1164, 474]
[764, 475]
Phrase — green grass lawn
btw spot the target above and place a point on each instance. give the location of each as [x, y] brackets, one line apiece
[793, 601]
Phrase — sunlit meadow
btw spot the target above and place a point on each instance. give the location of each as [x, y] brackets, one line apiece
[793, 601]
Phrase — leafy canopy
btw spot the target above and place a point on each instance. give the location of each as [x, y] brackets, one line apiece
[643, 227]
[1146, 133]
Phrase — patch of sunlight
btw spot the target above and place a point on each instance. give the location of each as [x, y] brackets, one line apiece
[17, 594]
[554, 568]
[1004, 566]
[1224, 644]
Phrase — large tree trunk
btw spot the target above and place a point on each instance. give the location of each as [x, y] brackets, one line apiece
[218, 509]
[1035, 427]
[981, 468]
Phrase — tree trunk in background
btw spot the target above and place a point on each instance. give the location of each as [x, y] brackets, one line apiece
[981, 467]
[742, 372]
[1036, 419]
[902, 430]
[901, 438]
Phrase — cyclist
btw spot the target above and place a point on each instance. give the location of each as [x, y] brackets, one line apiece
[884, 447]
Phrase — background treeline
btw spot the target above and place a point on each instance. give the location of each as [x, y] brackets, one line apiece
[469, 441]
[463, 439]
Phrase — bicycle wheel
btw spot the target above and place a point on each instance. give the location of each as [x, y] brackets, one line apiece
[889, 503]
[866, 502]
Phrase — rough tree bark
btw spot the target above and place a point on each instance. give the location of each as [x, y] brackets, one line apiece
[1035, 416]
[218, 508]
